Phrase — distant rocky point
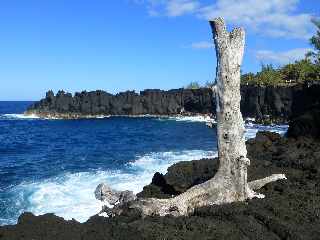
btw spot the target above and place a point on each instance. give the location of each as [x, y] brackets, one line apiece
[100, 103]
[264, 103]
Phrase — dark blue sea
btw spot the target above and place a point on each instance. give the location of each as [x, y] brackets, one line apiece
[53, 166]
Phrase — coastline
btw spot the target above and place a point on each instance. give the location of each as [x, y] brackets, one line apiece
[77, 116]
[265, 104]
[289, 211]
[208, 119]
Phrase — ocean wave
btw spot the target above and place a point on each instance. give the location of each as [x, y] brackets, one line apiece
[14, 116]
[198, 118]
[72, 195]
[252, 129]
[11, 116]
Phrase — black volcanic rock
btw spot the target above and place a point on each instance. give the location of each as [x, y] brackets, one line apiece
[154, 102]
[269, 153]
[305, 120]
[180, 177]
[158, 188]
[274, 103]
[307, 125]
[260, 101]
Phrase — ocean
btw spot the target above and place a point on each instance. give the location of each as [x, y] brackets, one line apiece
[54, 166]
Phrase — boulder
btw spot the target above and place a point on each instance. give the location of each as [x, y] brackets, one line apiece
[179, 178]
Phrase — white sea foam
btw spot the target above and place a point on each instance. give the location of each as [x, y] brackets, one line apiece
[252, 129]
[12, 116]
[102, 116]
[72, 195]
[251, 120]
[198, 118]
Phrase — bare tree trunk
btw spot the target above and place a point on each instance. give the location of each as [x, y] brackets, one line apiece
[230, 129]
[230, 182]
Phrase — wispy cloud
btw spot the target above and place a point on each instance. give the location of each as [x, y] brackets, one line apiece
[201, 45]
[181, 7]
[275, 18]
[282, 57]
[170, 8]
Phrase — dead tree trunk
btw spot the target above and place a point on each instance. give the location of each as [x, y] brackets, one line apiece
[230, 129]
[230, 182]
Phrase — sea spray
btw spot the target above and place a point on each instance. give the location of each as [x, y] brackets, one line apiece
[72, 195]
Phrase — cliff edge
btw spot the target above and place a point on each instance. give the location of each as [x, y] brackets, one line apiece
[260, 102]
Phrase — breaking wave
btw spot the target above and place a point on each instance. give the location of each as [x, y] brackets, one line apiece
[13, 116]
[72, 195]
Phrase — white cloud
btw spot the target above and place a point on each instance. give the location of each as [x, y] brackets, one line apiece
[275, 18]
[282, 57]
[180, 7]
[201, 45]
[170, 8]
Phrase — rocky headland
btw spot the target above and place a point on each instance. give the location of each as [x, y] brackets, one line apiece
[291, 209]
[264, 103]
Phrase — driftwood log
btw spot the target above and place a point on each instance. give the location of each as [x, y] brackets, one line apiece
[230, 182]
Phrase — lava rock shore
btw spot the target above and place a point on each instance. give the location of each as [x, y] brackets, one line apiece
[291, 209]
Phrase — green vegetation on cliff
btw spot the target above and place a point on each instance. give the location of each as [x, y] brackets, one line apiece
[193, 85]
[299, 72]
[307, 69]
[292, 73]
[315, 42]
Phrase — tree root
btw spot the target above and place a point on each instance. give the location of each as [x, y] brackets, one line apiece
[215, 191]
[257, 184]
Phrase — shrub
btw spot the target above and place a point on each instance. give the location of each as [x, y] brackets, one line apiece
[193, 85]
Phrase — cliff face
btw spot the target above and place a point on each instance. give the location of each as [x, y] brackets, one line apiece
[258, 102]
[154, 102]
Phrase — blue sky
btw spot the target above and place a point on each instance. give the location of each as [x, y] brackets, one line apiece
[118, 45]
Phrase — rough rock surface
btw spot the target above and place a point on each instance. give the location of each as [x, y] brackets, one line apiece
[276, 103]
[154, 102]
[307, 125]
[291, 209]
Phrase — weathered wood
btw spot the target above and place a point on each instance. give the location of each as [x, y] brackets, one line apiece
[257, 184]
[230, 182]
[230, 129]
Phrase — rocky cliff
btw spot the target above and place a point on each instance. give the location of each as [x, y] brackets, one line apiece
[153, 102]
[277, 103]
